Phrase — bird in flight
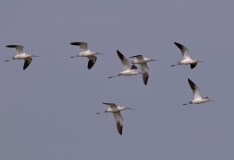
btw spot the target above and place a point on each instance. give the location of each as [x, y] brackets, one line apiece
[85, 52]
[197, 95]
[21, 55]
[127, 69]
[186, 58]
[142, 61]
[115, 110]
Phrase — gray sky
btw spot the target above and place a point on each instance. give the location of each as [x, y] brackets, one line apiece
[48, 111]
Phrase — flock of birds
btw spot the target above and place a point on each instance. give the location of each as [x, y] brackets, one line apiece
[128, 70]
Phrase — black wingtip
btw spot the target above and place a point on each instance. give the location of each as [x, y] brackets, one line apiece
[145, 77]
[178, 45]
[75, 43]
[119, 128]
[91, 63]
[121, 56]
[11, 46]
[192, 84]
[133, 67]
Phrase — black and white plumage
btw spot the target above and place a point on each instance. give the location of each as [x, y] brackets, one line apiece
[197, 95]
[85, 52]
[186, 58]
[142, 61]
[20, 55]
[127, 69]
[115, 110]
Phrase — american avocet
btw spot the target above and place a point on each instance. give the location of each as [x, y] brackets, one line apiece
[21, 55]
[186, 58]
[127, 70]
[142, 61]
[85, 52]
[115, 110]
[196, 93]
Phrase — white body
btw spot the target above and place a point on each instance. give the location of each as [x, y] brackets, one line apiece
[20, 55]
[187, 61]
[186, 58]
[199, 101]
[127, 69]
[197, 95]
[115, 110]
[138, 60]
[85, 52]
[142, 61]
[129, 72]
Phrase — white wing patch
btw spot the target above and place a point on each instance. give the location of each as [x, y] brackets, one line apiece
[123, 59]
[195, 89]
[83, 45]
[184, 50]
[19, 48]
[111, 105]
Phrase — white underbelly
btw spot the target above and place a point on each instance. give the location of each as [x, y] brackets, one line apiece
[186, 61]
[139, 61]
[21, 56]
[198, 101]
[129, 72]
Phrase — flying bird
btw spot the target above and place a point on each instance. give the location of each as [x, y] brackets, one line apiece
[85, 52]
[21, 55]
[115, 110]
[127, 69]
[142, 61]
[196, 93]
[186, 58]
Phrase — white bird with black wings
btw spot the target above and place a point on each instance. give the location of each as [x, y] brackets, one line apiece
[186, 58]
[197, 95]
[115, 110]
[142, 61]
[85, 52]
[21, 55]
[127, 69]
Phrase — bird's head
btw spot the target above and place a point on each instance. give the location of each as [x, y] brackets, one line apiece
[208, 100]
[199, 61]
[96, 53]
[125, 108]
[32, 55]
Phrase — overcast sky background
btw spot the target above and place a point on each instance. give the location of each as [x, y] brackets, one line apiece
[48, 110]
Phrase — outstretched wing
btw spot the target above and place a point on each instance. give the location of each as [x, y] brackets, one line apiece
[83, 45]
[92, 60]
[137, 57]
[145, 72]
[111, 105]
[27, 63]
[19, 48]
[123, 59]
[193, 65]
[195, 89]
[119, 122]
[184, 50]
